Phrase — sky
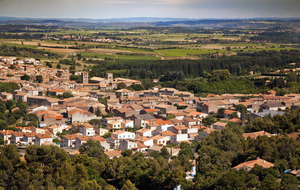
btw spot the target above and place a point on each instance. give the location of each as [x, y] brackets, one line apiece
[103, 9]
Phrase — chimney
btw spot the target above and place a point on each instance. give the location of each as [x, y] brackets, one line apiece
[264, 161]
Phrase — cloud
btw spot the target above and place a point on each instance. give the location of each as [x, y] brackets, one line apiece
[149, 8]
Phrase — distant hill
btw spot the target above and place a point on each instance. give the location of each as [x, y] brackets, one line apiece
[146, 22]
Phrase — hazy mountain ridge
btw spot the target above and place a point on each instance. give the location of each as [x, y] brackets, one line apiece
[148, 22]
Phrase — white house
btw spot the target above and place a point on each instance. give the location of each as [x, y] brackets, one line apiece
[101, 131]
[105, 121]
[28, 138]
[160, 140]
[40, 108]
[128, 124]
[88, 132]
[127, 144]
[144, 132]
[102, 142]
[113, 125]
[41, 139]
[146, 141]
[192, 130]
[123, 135]
[69, 140]
[219, 125]
[16, 137]
[179, 138]
[80, 140]
[6, 136]
[191, 174]
[78, 115]
[164, 125]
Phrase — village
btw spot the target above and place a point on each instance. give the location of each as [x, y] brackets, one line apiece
[143, 121]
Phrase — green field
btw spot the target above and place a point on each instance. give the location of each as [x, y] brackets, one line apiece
[145, 44]
[186, 52]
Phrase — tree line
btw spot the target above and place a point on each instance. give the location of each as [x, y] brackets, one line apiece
[238, 65]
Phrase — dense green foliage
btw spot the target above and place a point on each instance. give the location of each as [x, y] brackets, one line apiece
[12, 113]
[198, 86]
[8, 87]
[219, 75]
[287, 123]
[51, 167]
[39, 78]
[25, 77]
[240, 64]
[25, 52]
[222, 150]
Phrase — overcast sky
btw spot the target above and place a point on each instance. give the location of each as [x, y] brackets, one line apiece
[149, 8]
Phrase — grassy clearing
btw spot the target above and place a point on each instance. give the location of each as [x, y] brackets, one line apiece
[186, 52]
[137, 57]
[97, 55]
[34, 43]
[18, 45]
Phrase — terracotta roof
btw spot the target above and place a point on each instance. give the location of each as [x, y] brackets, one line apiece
[57, 90]
[174, 120]
[229, 112]
[76, 110]
[43, 136]
[113, 153]
[150, 110]
[180, 127]
[256, 134]
[17, 134]
[177, 113]
[143, 139]
[143, 130]
[167, 133]
[157, 137]
[7, 132]
[294, 135]
[97, 139]
[73, 136]
[251, 164]
[113, 118]
[30, 134]
[209, 130]
[86, 125]
[163, 122]
[83, 138]
[15, 109]
[118, 132]
[235, 120]
[188, 119]
[74, 152]
[194, 113]
[220, 124]
[140, 145]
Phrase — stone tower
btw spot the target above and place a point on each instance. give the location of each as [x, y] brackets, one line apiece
[84, 77]
[109, 76]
